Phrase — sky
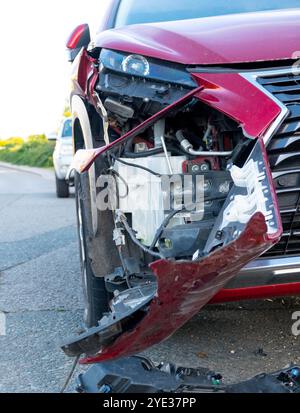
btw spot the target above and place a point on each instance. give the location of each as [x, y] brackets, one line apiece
[34, 71]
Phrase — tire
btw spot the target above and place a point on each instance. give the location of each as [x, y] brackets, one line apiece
[95, 294]
[62, 188]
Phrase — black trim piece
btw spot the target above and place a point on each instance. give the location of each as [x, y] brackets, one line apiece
[262, 66]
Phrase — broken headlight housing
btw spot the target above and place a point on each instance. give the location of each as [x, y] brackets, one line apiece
[137, 65]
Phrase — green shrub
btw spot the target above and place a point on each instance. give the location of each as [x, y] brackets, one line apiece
[11, 142]
[36, 151]
[37, 139]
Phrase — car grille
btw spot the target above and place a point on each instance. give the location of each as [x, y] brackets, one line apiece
[284, 157]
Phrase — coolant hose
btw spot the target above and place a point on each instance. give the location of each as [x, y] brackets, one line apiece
[188, 147]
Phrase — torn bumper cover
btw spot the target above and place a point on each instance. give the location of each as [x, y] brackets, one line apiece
[248, 225]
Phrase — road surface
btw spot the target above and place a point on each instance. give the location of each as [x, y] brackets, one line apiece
[41, 297]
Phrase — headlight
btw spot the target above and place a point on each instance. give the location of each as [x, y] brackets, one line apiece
[137, 65]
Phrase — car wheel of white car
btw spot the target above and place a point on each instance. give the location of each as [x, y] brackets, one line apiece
[62, 188]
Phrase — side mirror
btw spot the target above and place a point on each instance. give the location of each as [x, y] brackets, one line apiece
[79, 38]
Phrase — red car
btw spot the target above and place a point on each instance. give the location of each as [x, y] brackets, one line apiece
[186, 128]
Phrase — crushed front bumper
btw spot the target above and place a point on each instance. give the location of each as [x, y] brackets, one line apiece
[248, 225]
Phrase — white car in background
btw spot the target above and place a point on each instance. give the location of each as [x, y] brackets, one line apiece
[62, 158]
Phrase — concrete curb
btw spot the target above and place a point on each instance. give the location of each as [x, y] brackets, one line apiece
[44, 173]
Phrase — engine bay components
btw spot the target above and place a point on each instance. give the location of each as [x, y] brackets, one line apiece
[188, 147]
[145, 199]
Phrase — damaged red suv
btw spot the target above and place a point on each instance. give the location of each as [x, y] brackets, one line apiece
[186, 128]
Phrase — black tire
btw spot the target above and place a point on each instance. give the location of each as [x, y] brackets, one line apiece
[95, 294]
[62, 188]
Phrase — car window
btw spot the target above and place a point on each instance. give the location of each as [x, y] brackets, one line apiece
[67, 129]
[149, 11]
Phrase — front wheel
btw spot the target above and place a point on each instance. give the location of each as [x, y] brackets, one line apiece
[95, 293]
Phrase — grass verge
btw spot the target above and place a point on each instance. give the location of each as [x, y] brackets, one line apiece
[35, 151]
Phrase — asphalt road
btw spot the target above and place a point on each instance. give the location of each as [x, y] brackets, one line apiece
[41, 297]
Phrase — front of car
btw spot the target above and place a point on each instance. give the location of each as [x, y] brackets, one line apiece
[252, 81]
[213, 98]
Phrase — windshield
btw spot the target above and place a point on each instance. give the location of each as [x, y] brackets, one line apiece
[150, 11]
[67, 129]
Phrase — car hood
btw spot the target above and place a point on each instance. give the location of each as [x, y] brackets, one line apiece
[238, 38]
